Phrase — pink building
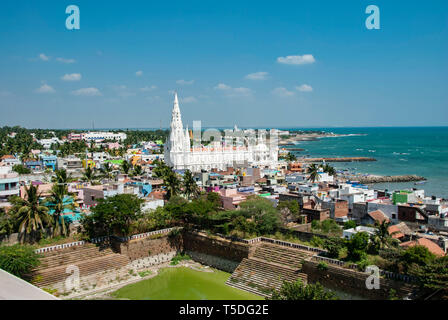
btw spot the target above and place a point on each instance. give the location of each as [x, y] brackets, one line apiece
[231, 198]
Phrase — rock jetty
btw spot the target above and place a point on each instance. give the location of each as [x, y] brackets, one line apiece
[345, 159]
[382, 179]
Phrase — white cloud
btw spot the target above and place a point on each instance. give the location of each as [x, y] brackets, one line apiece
[43, 57]
[123, 91]
[45, 88]
[222, 86]
[139, 73]
[257, 76]
[188, 100]
[87, 92]
[297, 60]
[185, 82]
[282, 92]
[72, 77]
[304, 88]
[63, 60]
[241, 91]
[148, 88]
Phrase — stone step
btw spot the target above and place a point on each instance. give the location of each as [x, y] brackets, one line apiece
[89, 267]
[72, 257]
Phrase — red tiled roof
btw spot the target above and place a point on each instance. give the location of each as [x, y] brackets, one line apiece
[7, 156]
[378, 215]
[395, 232]
[432, 247]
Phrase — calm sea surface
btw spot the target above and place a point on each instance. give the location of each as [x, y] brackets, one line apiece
[418, 150]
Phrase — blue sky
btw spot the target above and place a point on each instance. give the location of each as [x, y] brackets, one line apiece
[227, 60]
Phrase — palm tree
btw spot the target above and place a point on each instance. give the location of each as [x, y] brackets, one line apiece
[58, 202]
[107, 171]
[125, 167]
[313, 171]
[138, 171]
[161, 170]
[61, 177]
[31, 215]
[190, 186]
[329, 169]
[89, 175]
[382, 238]
[290, 157]
[172, 184]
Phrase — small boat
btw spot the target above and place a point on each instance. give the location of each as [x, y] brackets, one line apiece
[419, 182]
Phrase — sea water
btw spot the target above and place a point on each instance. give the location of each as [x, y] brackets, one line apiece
[399, 151]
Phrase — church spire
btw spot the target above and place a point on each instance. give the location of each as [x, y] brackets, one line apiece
[177, 131]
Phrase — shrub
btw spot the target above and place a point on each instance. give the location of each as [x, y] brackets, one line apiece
[179, 257]
[349, 224]
[18, 260]
[144, 273]
[298, 291]
[322, 266]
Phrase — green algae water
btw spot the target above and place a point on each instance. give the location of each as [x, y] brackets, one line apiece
[184, 284]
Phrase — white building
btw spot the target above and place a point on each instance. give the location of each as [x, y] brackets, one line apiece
[181, 155]
[349, 233]
[101, 136]
[9, 184]
[46, 143]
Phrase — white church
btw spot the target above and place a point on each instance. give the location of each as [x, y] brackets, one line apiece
[249, 149]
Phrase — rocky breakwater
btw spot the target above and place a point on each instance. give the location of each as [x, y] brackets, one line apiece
[382, 179]
[345, 159]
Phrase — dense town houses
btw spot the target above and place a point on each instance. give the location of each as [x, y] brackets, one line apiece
[96, 166]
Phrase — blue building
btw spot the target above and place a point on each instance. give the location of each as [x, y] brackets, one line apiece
[49, 161]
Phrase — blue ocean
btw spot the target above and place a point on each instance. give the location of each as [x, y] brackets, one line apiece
[399, 151]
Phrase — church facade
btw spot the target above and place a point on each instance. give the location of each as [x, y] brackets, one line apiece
[236, 148]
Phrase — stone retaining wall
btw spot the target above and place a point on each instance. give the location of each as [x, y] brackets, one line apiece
[353, 282]
[218, 247]
[213, 261]
[150, 246]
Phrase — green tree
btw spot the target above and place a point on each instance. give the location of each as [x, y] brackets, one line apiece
[61, 177]
[59, 203]
[172, 184]
[89, 175]
[381, 238]
[21, 169]
[138, 170]
[432, 275]
[333, 245]
[329, 169]
[416, 256]
[349, 224]
[357, 246]
[31, 214]
[18, 260]
[298, 291]
[107, 171]
[313, 171]
[262, 213]
[290, 157]
[113, 216]
[190, 187]
[125, 166]
[6, 223]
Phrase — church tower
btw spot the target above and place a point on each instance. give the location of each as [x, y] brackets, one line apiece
[176, 145]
